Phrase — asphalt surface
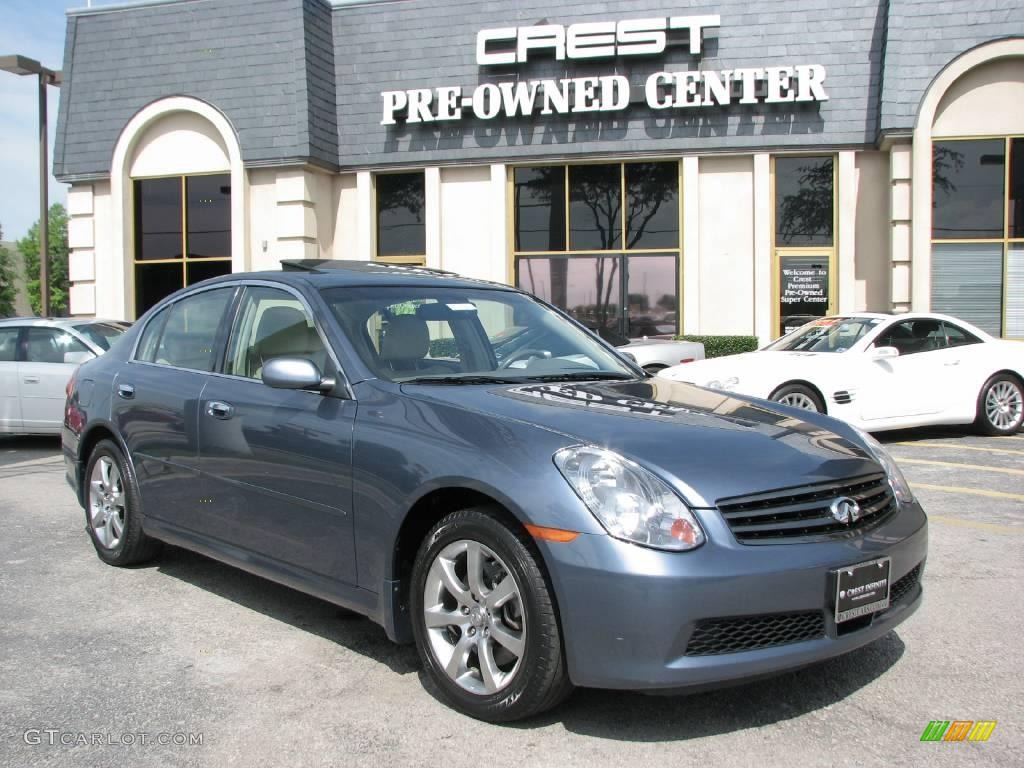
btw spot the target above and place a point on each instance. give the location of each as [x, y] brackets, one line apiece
[189, 649]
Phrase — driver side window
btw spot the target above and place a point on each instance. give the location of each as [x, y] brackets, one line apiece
[271, 323]
[913, 336]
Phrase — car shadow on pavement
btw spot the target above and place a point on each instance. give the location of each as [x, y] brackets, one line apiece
[15, 449]
[626, 716]
[924, 433]
[310, 614]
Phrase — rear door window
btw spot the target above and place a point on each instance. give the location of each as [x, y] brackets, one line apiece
[53, 345]
[188, 338]
[9, 344]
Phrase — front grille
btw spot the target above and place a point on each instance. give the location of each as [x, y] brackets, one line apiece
[748, 633]
[905, 585]
[803, 514]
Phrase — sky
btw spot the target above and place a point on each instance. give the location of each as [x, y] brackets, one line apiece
[33, 28]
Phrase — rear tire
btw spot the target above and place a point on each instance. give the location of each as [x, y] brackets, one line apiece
[112, 509]
[798, 396]
[1000, 406]
[491, 643]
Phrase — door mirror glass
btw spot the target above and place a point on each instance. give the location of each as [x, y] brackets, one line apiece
[293, 373]
[77, 357]
[884, 353]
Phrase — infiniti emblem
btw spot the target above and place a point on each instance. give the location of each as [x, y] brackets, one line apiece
[845, 510]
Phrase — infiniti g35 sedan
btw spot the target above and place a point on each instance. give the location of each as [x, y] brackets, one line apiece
[481, 475]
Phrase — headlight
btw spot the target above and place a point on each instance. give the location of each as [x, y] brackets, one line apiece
[728, 384]
[630, 502]
[899, 484]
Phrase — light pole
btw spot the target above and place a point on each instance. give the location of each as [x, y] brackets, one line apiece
[22, 65]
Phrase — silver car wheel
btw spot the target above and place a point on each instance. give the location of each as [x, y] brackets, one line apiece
[1004, 405]
[473, 613]
[106, 502]
[798, 400]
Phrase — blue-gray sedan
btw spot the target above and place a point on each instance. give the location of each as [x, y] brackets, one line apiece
[481, 474]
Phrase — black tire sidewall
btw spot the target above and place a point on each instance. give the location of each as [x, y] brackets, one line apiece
[791, 388]
[519, 698]
[132, 537]
[982, 414]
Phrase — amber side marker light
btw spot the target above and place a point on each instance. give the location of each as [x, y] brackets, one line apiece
[551, 534]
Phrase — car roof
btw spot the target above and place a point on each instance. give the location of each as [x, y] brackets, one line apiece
[330, 273]
[55, 322]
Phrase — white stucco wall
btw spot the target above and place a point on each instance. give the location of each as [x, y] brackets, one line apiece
[466, 207]
[726, 206]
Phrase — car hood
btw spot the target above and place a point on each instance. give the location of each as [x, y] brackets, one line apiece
[708, 444]
[745, 363]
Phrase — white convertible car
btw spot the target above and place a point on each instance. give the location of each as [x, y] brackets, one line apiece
[881, 372]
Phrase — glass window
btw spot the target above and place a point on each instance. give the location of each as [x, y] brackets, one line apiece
[189, 335]
[652, 293]
[913, 336]
[967, 189]
[540, 208]
[829, 334]
[209, 216]
[487, 335]
[53, 345]
[803, 289]
[957, 336]
[100, 334]
[9, 344]
[401, 202]
[1016, 201]
[158, 219]
[587, 287]
[652, 212]
[595, 207]
[803, 201]
[155, 281]
[272, 323]
[146, 351]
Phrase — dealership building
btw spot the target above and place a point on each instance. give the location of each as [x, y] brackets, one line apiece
[716, 168]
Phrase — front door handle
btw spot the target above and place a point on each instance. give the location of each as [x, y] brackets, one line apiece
[125, 391]
[31, 379]
[952, 362]
[220, 410]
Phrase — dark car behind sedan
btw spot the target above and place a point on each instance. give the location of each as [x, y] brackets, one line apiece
[479, 474]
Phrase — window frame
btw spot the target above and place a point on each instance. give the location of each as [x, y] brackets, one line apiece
[19, 338]
[1005, 241]
[515, 257]
[409, 260]
[779, 252]
[185, 260]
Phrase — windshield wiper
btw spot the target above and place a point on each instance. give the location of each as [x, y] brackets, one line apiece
[460, 380]
[585, 376]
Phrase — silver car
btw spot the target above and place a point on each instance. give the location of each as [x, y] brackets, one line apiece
[653, 354]
[37, 358]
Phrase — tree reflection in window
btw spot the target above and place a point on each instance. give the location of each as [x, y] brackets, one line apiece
[803, 201]
[968, 188]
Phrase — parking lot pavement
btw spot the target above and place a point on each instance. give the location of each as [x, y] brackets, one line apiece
[191, 649]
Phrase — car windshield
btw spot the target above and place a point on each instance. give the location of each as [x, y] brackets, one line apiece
[829, 334]
[446, 335]
[100, 334]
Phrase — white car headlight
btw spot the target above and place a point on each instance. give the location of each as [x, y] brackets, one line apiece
[898, 483]
[727, 384]
[630, 502]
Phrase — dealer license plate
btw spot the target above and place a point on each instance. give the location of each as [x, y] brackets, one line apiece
[862, 589]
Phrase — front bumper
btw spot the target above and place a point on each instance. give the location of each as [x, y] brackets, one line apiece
[628, 613]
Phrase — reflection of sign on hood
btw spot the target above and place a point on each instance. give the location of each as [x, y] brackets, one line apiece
[576, 396]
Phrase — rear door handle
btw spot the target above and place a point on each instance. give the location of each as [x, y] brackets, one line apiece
[126, 391]
[952, 362]
[220, 410]
[31, 379]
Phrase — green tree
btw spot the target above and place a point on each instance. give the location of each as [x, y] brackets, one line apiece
[7, 289]
[58, 248]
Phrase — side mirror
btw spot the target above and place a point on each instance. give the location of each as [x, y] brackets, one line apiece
[294, 373]
[630, 355]
[884, 353]
[78, 357]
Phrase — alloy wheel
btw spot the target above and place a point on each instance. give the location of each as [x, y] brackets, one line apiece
[798, 400]
[106, 502]
[474, 617]
[1004, 405]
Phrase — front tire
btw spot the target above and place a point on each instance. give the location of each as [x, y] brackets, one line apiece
[112, 509]
[484, 619]
[1000, 406]
[798, 396]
